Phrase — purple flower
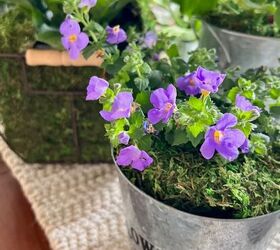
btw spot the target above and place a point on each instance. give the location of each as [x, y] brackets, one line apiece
[189, 83]
[245, 147]
[164, 102]
[209, 80]
[223, 138]
[115, 35]
[124, 138]
[121, 107]
[73, 39]
[245, 105]
[87, 3]
[96, 88]
[132, 156]
[150, 39]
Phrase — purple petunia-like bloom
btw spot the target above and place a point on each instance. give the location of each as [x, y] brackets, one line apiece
[150, 39]
[189, 84]
[132, 156]
[209, 80]
[96, 88]
[245, 147]
[87, 3]
[115, 35]
[73, 39]
[223, 139]
[245, 105]
[164, 102]
[123, 138]
[121, 107]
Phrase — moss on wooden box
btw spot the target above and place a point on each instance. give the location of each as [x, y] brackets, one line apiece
[39, 127]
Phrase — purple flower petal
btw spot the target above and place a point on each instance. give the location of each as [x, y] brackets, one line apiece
[158, 98]
[74, 52]
[87, 3]
[131, 155]
[115, 35]
[69, 27]
[96, 88]
[226, 121]
[223, 139]
[236, 136]
[164, 102]
[123, 138]
[207, 149]
[73, 39]
[227, 150]
[245, 147]
[128, 155]
[120, 109]
[209, 80]
[150, 39]
[242, 103]
[171, 93]
[82, 41]
[143, 162]
[189, 84]
[154, 116]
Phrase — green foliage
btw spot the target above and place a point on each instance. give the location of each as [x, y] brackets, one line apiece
[196, 7]
[195, 116]
[202, 57]
[166, 17]
[16, 31]
[253, 17]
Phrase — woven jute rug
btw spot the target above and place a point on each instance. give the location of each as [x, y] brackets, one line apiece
[78, 206]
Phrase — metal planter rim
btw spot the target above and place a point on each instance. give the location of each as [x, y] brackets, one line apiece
[241, 34]
[177, 210]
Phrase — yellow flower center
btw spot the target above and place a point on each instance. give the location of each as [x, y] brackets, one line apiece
[72, 38]
[168, 106]
[218, 135]
[205, 93]
[116, 29]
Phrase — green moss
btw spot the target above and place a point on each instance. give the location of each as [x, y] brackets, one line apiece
[247, 188]
[39, 128]
[16, 31]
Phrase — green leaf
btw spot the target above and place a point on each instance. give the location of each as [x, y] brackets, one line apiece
[141, 83]
[173, 51]
[196, 7]
[143, 98]
[196, 103]
[89, 50]
[136, 130]
[232, 94]
[50, 37]
[246, 128]
[145, 143]
[196, 128]
[277, 17]
[274, 93]
[259, 143]
[195, 140]
[137, 119]
[114, 129]
[176, 137]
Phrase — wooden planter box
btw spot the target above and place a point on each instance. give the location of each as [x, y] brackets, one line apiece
[43, 108]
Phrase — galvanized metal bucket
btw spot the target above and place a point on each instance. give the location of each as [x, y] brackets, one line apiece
[153, 225]
[239, 49]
